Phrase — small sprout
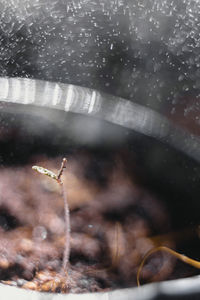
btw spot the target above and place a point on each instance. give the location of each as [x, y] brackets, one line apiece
[66, 207]
[44, 171]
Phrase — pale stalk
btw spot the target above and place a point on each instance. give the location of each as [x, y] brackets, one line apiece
[67, 229]
[66, 208]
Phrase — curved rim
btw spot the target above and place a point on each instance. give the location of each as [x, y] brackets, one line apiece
[88, 102]
[180, 289]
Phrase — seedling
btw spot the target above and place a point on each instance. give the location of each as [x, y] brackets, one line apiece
[185, 259]
[66, 207]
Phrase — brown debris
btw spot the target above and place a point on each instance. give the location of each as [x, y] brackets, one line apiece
[111, 229]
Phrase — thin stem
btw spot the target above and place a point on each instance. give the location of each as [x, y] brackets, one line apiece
[185, 259]
[67, 217]
[66, 207]
[116, 256]
[67, 229]
[60, 172]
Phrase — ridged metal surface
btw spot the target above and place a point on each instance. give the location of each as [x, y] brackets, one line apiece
[76, 99]
[84, 101]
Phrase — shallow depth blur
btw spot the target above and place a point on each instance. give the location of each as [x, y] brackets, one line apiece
[115, 46]
[144, 51]
[114, 223]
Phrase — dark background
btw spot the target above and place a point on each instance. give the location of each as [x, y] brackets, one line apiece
[145, 51]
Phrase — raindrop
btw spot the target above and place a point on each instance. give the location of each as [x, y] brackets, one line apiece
[181, 77]
[39, 233]
[186, 88]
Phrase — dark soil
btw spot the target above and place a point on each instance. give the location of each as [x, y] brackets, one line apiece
[114, 223]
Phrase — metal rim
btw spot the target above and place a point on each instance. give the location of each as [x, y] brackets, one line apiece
[88, 102]
[75, 99]
[187, 288]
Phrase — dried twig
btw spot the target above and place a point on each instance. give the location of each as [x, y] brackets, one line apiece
[185, 259]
